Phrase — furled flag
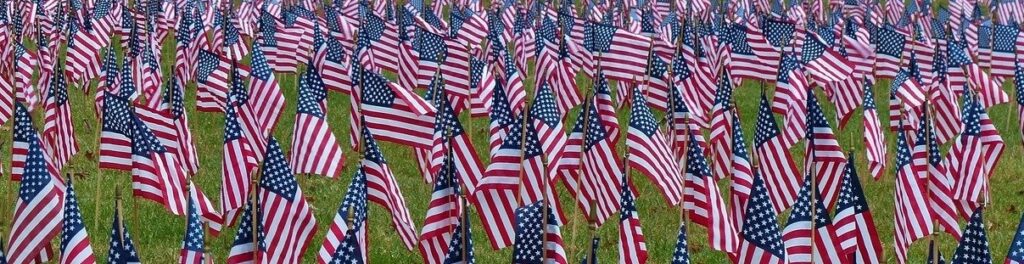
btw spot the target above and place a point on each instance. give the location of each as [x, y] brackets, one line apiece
[500, 118]
[288, 221]
[854, 224]
[460, 250]
[384, 190]
[760, 239]
[342, 235]
[396, 114]
[1015, 255]
[810, 236]
[874, 139]
[591, 257]
[974, 155]
[890, 47]
[791, 93]
[621, 54]
[632, 244]
[649, 152]
[931, 254]
[238, 161]
[538, 238]
[1018, 83]
[973, 247]
[122, 249]
[823, 150]
[250, 245]
[74, 240]
[591, 144]
[261, 109]
[681, 255]
[315, 149]
[912, 218]
[776, 161]
[193, 246]
[58, 130]
[742, 175]
[547, 120]
[910, 97]
[721, 128]
[443, 213]
[155, 173]
[703, 201]
[23, 90]
[940, 181]
[183, 146]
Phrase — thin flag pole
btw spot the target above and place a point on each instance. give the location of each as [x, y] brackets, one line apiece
[120, 215]
[544, 209]
[812, 190]
[585, 111]
[685, 218]
[522, 154]
[254, 213]
[932, 242]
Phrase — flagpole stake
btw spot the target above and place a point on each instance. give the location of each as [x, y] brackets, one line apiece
[254, 212]
[585, 111]
[522, 154]
[120, 215]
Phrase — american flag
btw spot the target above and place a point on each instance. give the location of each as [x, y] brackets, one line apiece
[538, 236]
[973, 247]
[703, 201]
[315, 149]
[750, 49]
[82, 52]
[990, 91]
[947, 109]
[380, 38]
[35, 220]
[233, 47]
[58, 130]
[825, 153]
[592, 145]
[874, 139]
[384, 190]
[778, 32]
[518, 163]
[432, 54]
[468, 166]
[116, 135]
[1018, 83]
[912, 218]
[823, 63]
[974, 155]
[622, 54]
[721, 128]
[791, 95]
[108, 81]
[430, 159]
[396, 114]
[155, 173]
[483, 85]
[329, 59]
[289, 223]
[889, 50]
[25, 92]
[129, 82]
[194, 243]
[238, 160]
[632, 245]
[760, 239]
[212, 77]
[342, 236]
[1007, 42]
[742, 175]
[1015, 255]
[260, 110]
[460, 250]
[810, 236]
[278, 43]
[776, 161]
[182, 144]
[443, 213]
[681, 255]
[649, 150]
[500, 117]
[958, 59]
[510, 79]
[854, 225]
[183, 64]
[121, 249]
[847, 96]
[249, 245]
[74, 240]
[940, 182]
[591, 257]
[547, 120]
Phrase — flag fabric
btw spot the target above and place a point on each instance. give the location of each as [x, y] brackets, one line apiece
[518, 163]
[1015, 255]
[681, 255]
[1007, 41]
[621, 54]
[592, 144]
[238, 161]
[854, 223]
[315, 149]
[973, 247]
[1018, 83]
[122, 249]
[750, 50]
[874, 138]
[547, 120]
[823, 150]
[990, 91]
[824, 64]
[193, 246]
[703, 200]
[649, 151]
[58, 129]
[460, 250]
[760, 239]
[721, 128]
[538, 238]
[889, 50]
[396, 114]
[742, 174]
[591, 257]
[809, 236]
[974, 155]
[249, 245]
[116, 135]
[342, 236]
[212, 82]
[288, 222]
[384, 190]
[182, 144]
[74, 240]
[791, 93]
[912, 218]
[261, 109]
[155, 173]
[776, 161]
[443, 215]
[632, 244]
[940, 182]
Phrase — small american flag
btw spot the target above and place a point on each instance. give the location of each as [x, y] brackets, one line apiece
[238, 160]
[1007, 42]
[632, 245]
[890, 47]
[792, 94]
[538, 236]
[973, 247]
[288, 223]
[592, 144]
[810, 236]
[82, 52]
[380, 38]
[703, 201]
[742, 175]
[74, 240]
[912, 218]
[315, 149]
[212, 80]
[940, 182]
[443, 213]
[194, 243]
[1018, 83]
[854, 224]
[155, 173]
[973, 155]
[261, 109]
[233, 47]
[341, 237]
[519, 166]
[329, 59]
[591, 257]
[122, 249]
[622, 54]
[760, 239]
[649, 151]
[58, 129]
[396, 114]
[990, 91]
[1015, 255]
[547, 120]
[460, 250]
[874, 139]
[279, 43]
[824, 152]
[35, 221]
[823, 63]
[681, 255]
[721, 128]
[776, 161]
[25, 92]
[182, 144]
[115, 137]
[246, 248]
[750, 49]
[384, 190]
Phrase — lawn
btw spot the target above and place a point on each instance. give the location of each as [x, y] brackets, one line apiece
[158, 235]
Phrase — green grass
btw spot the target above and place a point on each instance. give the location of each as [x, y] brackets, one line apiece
[158, 234]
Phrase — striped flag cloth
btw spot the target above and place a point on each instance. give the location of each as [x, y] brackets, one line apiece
[823, 64]
[847, 96]
[288, 219]
[343, 239]
[460, 250]
[237, 162]
[649, 151]
[912, 218]
[155, 173]
[776, 161]
[792, 83]
[212, 82]
[622, 54]
[810, 236]
[483, 86]
[260, 110]
[116, 135]
[36, 218]
[82, 52]
[974, 155]
[592, 145]
[233, 47]
[183, 146]
[874, 138]
[750, 50]
[445, 208]
[74, 240]
[974, 246]
[396, 114]
[823, 150]
[1018, 83]
[940, 182]
[1015, 255]
[194, 243]
[518, 164]
[122, 248]
[632, 244]
[547, 120]
[854, 223]
[315, 149]
[947, 109]
[957, 61]
[721, 128]
[246, 248]
[1007, 41]
[58, 129]
[278, 42]
[384, 190]
[760, 239]
[26, 62]
[990, 91]
[889, 50]
[703, 201]
[742, 175]
[538, 236]
[329, 59]
[380, 38]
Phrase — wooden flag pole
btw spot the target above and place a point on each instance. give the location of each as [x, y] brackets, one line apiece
[585, 111]
[464, 226]
[684, 217]
[522, 154]
[544, 210]
[120, 215]
[254, 212]
[812, 189]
